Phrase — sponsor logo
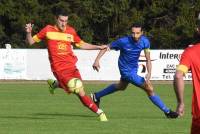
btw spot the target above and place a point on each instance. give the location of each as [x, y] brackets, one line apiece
[169, 55]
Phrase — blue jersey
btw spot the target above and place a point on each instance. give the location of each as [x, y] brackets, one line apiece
[129, 52]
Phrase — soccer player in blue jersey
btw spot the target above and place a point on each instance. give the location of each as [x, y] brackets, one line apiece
[130, 48]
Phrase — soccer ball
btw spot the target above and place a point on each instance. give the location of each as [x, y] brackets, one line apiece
[75, 85]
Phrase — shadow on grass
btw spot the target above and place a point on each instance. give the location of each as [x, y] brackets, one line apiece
[62, 115]
[44, 116]
[24, 117]
[144, 117]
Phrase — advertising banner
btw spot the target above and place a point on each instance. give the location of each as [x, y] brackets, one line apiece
[12, 64]
[164, 64]
[33, 64]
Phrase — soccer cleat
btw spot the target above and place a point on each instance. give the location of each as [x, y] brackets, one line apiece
[103, 117]
[52, 85]
[94, 99]
[171, 114]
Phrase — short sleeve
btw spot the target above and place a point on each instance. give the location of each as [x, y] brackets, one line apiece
[146, 44]
[115, 45]
[77, 40]
[185, 62]
[41, 35]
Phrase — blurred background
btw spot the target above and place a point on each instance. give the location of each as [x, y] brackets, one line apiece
[170, 24]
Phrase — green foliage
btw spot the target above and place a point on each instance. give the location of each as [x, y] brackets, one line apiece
[168, 23]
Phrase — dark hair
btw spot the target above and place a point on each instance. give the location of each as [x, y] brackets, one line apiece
[138, 25]
[57, 11]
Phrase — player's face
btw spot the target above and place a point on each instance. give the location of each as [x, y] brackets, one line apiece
[136, 33]
[61, 22]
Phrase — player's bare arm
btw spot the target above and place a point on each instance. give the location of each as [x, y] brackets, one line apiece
[29, 37]
[96, 65]
[148, 64]
[88, 46]
[179, 90]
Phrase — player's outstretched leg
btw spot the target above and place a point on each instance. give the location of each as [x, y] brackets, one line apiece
[97, 96]
[52, 85]
[155, 99]
[75, 86]
[93, 107]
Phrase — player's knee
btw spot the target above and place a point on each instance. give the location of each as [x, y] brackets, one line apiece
[75, 85]
[148, 88]
[121, 87]
[148, 85]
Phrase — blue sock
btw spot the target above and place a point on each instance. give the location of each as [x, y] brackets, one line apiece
[110, 89]
[158, 102]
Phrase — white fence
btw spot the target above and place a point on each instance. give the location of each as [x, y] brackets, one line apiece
[33, 64]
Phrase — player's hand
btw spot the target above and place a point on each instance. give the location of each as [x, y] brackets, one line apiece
[96, 66]
[104, 47]
[29, 27]
[180, 109]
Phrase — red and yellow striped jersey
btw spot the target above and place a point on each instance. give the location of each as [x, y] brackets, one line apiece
[59, 46]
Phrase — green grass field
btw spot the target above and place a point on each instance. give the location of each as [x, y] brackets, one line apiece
[29, 109]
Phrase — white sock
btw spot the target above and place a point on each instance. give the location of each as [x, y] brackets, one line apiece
[99, 111]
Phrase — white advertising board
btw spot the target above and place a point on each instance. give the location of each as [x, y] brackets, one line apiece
[33, 64]
[13, 64]
[164, 64]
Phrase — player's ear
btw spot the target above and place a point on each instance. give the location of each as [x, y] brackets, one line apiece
[56, 18]
[198, 29]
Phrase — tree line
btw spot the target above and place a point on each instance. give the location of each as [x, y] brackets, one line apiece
[169, 24]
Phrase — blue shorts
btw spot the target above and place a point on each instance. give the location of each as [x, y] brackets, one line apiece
[133, 78]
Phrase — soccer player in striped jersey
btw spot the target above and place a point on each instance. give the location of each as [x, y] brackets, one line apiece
[59, 39]
[130, 48]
